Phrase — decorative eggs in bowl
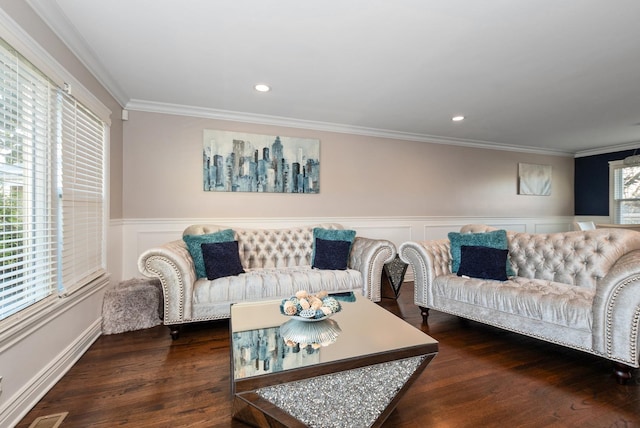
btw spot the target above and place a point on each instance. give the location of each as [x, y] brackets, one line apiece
[310, 307]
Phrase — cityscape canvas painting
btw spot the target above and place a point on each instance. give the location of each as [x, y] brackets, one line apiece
[242, 162]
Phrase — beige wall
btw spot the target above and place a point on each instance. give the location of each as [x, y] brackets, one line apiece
[360, 176]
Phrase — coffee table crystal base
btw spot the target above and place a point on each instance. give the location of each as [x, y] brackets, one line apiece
[351, 398]
[362, 397]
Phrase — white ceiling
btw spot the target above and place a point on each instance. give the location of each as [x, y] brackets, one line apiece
[535, 75]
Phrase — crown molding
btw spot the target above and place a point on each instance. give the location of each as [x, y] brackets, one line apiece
[208, 113]
[609, 149]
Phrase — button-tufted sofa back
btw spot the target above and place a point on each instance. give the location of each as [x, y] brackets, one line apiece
[577, 258]
[269, 248]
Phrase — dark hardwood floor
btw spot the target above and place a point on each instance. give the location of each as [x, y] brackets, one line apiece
[482, 377]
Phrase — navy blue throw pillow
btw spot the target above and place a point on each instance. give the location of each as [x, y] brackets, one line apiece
[221, 259]
[331, 235]
[483, 262]
[331, 254]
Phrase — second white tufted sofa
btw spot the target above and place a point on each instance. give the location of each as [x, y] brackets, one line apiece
[576, 289]
[277, 263]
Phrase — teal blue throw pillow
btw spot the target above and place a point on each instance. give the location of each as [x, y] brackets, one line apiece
[332, 235]
[194, 245]
[495, 239]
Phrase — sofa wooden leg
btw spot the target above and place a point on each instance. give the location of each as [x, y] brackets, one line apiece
[425, 314]
[174, 331]
[622, 373]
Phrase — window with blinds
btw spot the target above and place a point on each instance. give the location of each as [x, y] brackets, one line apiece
[51, 188]
[625, 190]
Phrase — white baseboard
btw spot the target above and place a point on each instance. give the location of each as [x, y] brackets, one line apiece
[25, 399]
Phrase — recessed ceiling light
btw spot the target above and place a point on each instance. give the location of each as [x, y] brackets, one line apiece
[457, 118]
[261, 87]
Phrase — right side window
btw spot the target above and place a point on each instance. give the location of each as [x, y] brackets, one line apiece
[624, 178]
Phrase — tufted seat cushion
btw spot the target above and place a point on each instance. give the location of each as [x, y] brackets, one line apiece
[542, 300]
[261, 284]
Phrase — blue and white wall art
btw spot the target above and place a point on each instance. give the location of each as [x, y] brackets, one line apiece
[241, 162]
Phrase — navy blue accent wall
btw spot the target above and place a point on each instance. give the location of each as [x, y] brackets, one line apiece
[591, 182]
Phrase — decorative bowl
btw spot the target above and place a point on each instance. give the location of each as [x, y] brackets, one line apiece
[315, 334]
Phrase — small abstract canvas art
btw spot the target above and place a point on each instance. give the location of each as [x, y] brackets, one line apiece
[534, 179]
[242, 162]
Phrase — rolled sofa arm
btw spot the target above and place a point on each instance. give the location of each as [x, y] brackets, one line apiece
[369, 257]
[427, 259]
[616, 311]
[173, 265]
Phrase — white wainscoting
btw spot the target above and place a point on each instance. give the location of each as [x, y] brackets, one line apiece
[138, 235]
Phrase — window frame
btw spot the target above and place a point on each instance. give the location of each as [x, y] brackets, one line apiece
[28, 261]
[614, 203]
[36, 315]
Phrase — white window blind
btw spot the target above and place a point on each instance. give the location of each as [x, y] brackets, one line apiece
[51, 188]
[28, 236]
[625, 189]
[81, 193]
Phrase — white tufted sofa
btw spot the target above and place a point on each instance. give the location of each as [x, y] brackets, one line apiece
[576, 289]
[277, 263]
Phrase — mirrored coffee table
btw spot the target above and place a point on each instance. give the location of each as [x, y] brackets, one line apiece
[368, 360]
